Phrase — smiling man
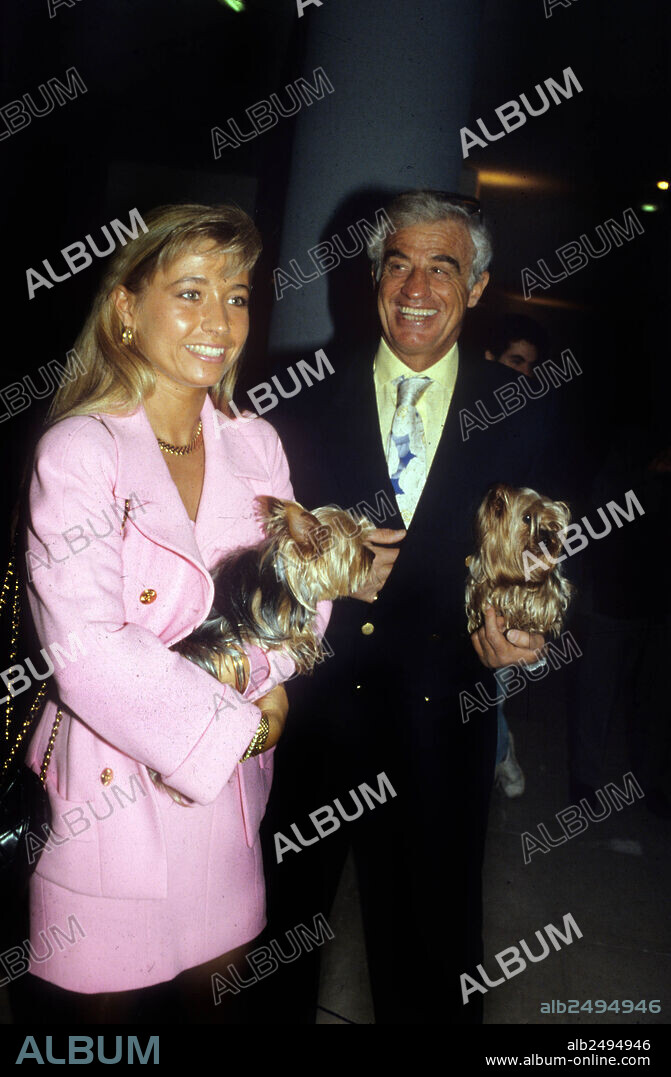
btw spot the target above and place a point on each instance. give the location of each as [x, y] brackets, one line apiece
[429, 274]
[427, 282]
[383, 434]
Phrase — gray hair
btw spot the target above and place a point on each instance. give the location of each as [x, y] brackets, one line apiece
[426, 207]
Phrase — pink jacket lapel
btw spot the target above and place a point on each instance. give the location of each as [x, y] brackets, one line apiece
[158, 510]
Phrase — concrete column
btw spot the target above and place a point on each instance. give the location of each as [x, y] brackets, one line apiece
[402, 76]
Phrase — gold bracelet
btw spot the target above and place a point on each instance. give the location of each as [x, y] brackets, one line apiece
[258, 740]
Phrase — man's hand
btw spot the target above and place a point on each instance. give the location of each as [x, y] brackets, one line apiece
[383, 563]
[496, 650]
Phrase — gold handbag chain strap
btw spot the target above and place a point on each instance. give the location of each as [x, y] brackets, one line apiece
[50, 745]
[11, 581]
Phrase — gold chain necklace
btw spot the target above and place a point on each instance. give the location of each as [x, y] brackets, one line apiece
[182, 450]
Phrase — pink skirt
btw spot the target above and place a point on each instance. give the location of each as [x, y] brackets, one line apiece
[215, 902]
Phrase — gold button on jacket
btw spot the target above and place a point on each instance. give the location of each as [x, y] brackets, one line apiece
[368, 629]
[107, 775]
[148, 596]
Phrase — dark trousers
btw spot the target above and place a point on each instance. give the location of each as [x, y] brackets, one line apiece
[622, 669]
[418, 856]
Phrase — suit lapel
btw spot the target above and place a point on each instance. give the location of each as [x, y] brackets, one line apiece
[367, 460]
[365, 474]
[455, 463]
[236, 456]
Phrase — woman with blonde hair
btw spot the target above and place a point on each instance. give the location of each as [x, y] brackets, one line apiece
[142, 483]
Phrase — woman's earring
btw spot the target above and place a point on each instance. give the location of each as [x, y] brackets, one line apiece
[127, 336]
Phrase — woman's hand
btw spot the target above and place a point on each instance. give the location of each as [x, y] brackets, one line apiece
[226, 671]
[494, 649]
[275, 706]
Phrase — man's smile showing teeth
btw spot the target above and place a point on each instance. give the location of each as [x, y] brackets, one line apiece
[416, 312]
[206, 350]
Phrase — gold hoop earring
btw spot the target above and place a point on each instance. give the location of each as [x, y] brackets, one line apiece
[127, 336]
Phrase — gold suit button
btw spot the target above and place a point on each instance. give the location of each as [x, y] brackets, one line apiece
[148, 596]
[368, 629]
[107, 775]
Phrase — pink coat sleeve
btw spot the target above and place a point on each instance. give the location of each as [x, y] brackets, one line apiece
[127, 685]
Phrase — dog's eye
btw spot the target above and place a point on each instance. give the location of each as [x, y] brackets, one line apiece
[526, 519]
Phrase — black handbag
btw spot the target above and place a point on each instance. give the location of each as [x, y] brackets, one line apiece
[24, 803]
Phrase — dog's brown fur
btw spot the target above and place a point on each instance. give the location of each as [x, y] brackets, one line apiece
[530, 592]
[267, 594]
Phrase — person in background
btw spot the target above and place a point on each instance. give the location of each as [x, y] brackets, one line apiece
[517, 342]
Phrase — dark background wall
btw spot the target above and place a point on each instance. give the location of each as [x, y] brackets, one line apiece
[159, 76]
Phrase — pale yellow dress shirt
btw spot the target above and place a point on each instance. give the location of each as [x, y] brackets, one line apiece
[434, 403]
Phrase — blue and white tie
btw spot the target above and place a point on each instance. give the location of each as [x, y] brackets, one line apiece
[406, 451]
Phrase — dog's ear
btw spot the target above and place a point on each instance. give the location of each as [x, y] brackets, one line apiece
[304, 528]
[288, 519]
[269, 506]
[272, 512]
[498, 499]
[565, 511]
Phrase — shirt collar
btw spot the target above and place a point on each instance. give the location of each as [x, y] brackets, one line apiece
[388, 366]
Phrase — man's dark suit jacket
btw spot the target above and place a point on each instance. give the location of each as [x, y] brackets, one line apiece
[389, 699]
[332, 437]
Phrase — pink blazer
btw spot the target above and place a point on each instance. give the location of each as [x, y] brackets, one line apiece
[109, 598]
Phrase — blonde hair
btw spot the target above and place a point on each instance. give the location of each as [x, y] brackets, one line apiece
[117, 377]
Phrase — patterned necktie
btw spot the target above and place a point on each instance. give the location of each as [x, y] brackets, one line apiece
[406, 451]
